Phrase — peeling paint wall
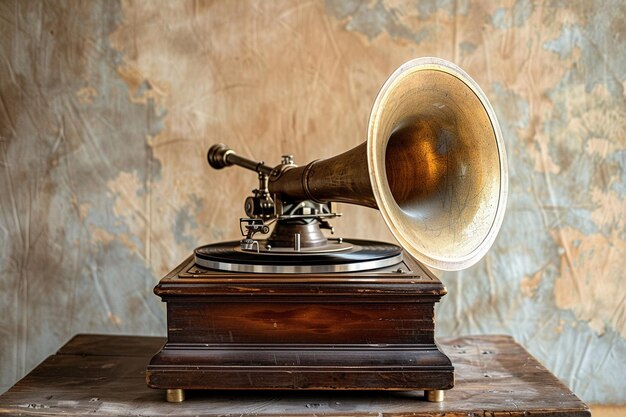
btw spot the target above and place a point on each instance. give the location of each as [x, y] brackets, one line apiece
[107, 110]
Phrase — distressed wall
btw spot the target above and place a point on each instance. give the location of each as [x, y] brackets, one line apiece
[107, 109]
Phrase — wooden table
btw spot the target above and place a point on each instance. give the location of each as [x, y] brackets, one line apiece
[104, 375]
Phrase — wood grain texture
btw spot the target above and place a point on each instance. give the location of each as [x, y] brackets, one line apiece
[104, 376]
[299, 322]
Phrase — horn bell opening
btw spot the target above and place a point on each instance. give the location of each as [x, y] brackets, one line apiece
[437, 163]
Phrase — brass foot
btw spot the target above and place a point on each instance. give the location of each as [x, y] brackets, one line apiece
[175, 395]
[435, 395]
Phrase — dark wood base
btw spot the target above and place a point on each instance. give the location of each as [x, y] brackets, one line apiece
[300, 367]
[370, 330]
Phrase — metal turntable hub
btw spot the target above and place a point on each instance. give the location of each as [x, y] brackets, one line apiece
[339, 256]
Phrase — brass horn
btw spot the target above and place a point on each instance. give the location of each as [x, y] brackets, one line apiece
[434, 164]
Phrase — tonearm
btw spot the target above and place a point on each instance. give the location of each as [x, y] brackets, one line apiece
[298, 221]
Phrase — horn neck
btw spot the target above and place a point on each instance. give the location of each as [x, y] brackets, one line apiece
[343, 179]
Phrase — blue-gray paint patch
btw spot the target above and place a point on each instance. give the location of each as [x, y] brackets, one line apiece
[517, 16]
[514, 108]
[426, 8]
[619, 186]
[185, 220]
[580, 172]
[602, 45]
[467, 47]
[374, 20]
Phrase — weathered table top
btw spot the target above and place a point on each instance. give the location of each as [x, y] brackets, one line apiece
[104, 375]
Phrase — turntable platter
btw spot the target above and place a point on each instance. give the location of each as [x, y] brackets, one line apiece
[351, 256]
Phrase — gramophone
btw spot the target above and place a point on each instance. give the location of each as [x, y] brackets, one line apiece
[299, 310]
